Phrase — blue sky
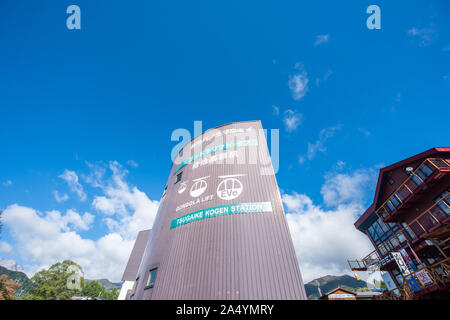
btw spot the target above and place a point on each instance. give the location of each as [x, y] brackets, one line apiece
[346, 99]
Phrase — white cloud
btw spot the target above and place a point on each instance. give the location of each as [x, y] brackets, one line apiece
[7, 183]
[72, 180]
[426, 36]
[324, 77]
[276, 110]
[5, 247]
[301, 159]
[72, 218]
[319, 145]
[321, 39]
[42, 239]
[133, 163]
[60, 198]
[96, 174]
[291, 119]
[341, 188]
[364, 131]
[298, 83]
[128, 208]
[325, 238]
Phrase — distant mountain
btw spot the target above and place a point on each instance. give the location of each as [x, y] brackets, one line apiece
[107, 284]
[11, 265]
[18, 276]
[328, 283]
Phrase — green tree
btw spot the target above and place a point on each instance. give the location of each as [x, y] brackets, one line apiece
[59, 282]
[94, 289]
[110, 294]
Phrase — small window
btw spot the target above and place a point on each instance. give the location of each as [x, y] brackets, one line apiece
[179, 176]
[443, 201]
[391, 181]
[394, 201]
[416, 179]
[399, 196]
[164, 193]
[390, 206]
[408, 230]
[151, 278]
[134, 287]
[383, 213]
[424, 171]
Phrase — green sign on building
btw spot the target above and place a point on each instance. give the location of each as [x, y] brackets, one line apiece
[228, 209]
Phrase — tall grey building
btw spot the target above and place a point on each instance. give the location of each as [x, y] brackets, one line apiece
[221, 231]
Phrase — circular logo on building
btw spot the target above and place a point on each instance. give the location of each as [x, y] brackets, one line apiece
[198, 188]
[182, 187]
[229, 189]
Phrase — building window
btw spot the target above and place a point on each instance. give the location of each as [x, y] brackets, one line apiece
[408, 230]
[379, 231]
[383, 213]
[391, 181]
[382, 250]
[179, 176]
[399, 196]
[151, 278]
[134, 287]
[424, 172]
[416, 179]
[401, 237]
[394, 201]
[395, 243]
[390, 206]
[443, 201]
[398, 276]
[164, 193]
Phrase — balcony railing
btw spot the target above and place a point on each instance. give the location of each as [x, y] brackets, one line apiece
[426, 222]
[429, 170]
[432, 277]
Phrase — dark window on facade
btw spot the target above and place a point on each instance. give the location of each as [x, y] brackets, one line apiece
[398, 276]
[164, 193]
[399, 196]
[390, 206]
[416, 179]
[179, 176]
[134, 287]
[424, 172]
[394, 201]
[408, 230]
[443, 201]
[151, 278]
[383, 213]
[391, 181]
[379, 231]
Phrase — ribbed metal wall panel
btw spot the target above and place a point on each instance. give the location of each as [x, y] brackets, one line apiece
[240, 256]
